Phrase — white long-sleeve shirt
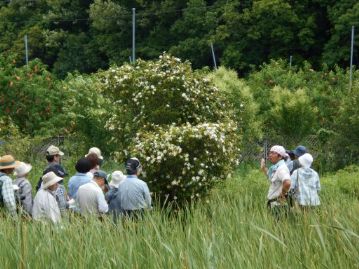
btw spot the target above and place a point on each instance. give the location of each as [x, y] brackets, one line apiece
[45, 207]
[90, 199]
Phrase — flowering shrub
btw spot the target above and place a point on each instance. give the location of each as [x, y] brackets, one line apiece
[183, 162]
[176, 121]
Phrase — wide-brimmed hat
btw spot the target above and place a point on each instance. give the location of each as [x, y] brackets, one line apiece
[53, 150]
[8, 162]
[306, 160]
[22, 169]
[96, 151]
[116, 179]
[280, 150]
[50, 179]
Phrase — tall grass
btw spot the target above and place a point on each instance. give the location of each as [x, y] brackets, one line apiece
[232, 229]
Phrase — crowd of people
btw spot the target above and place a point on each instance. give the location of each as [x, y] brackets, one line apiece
[91, 191]
[292, 180]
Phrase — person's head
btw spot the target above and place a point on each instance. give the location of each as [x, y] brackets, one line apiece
[50, 181]
[94, 160]
[133, 166]
[83, 165]
[290, 154]
[116, 178]
[97, 152]
[306, 160]
[22, 170]
[8, 164]
[101, 178]
[299, 151]
[276, 153]
[53, 154]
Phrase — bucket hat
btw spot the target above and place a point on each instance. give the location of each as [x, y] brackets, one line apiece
[53, 150]
[96, 151]
[50, 179]
[22, 169]
[116, 179]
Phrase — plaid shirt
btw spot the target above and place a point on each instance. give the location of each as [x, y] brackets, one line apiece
[8, 196]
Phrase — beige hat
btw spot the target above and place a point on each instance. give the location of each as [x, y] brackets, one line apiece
[96, 151]
[116, 179]
[8, 162]
[22, 169]
[50, 179]
[53, 150]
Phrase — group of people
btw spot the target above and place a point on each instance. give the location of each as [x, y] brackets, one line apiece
[292, 180]
[91, 192]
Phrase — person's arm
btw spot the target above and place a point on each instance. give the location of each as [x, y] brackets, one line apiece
[102, 204]
[61, 197]
[293, 178]
[9, 197]
[52, 210]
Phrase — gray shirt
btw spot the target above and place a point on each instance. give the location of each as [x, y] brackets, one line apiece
[133, 194]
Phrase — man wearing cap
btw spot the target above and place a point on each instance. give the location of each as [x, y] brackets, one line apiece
[133, 195]
[279, 178]
[7, 197]
[45, 205]
[53, 157]
[25, 189]
[295, 154]
[90, 196]
[305, 183]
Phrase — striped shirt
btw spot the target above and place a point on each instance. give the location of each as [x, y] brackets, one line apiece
[7, 191]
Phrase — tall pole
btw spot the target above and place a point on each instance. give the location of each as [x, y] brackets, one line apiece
[351, 61]
[133, 34]
[214, 57]
[26, 51]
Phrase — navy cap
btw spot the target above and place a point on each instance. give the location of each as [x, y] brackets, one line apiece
[101, 174]
[299, 151]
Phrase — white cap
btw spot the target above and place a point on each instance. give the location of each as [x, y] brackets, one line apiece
[96, 151]
[53, 150]
[306, 160]
[279, 150]
[22, 169]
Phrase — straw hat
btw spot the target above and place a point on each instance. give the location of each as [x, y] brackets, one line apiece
[96, 151]
[116, 179]
[50, 179]
[8, 162]
[22, 169]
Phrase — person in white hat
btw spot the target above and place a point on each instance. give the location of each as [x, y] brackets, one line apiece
[117, 178]
[24, 187]
[45, 205]
[96, 151]
[279, 178]
[7, 196]
[305, 183]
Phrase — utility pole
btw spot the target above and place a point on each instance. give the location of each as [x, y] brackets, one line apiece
[133, 34]
[26, 51]
[214, 57]
[351, 60]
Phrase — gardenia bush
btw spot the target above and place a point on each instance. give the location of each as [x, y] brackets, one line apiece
[184, 162]
[176, 121]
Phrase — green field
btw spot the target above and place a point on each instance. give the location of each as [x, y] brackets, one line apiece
[231, 229]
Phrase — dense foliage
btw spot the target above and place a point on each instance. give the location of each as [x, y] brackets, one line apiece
[88, 35]
[176, 122]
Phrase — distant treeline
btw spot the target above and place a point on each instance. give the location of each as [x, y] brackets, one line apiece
[85, 35]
